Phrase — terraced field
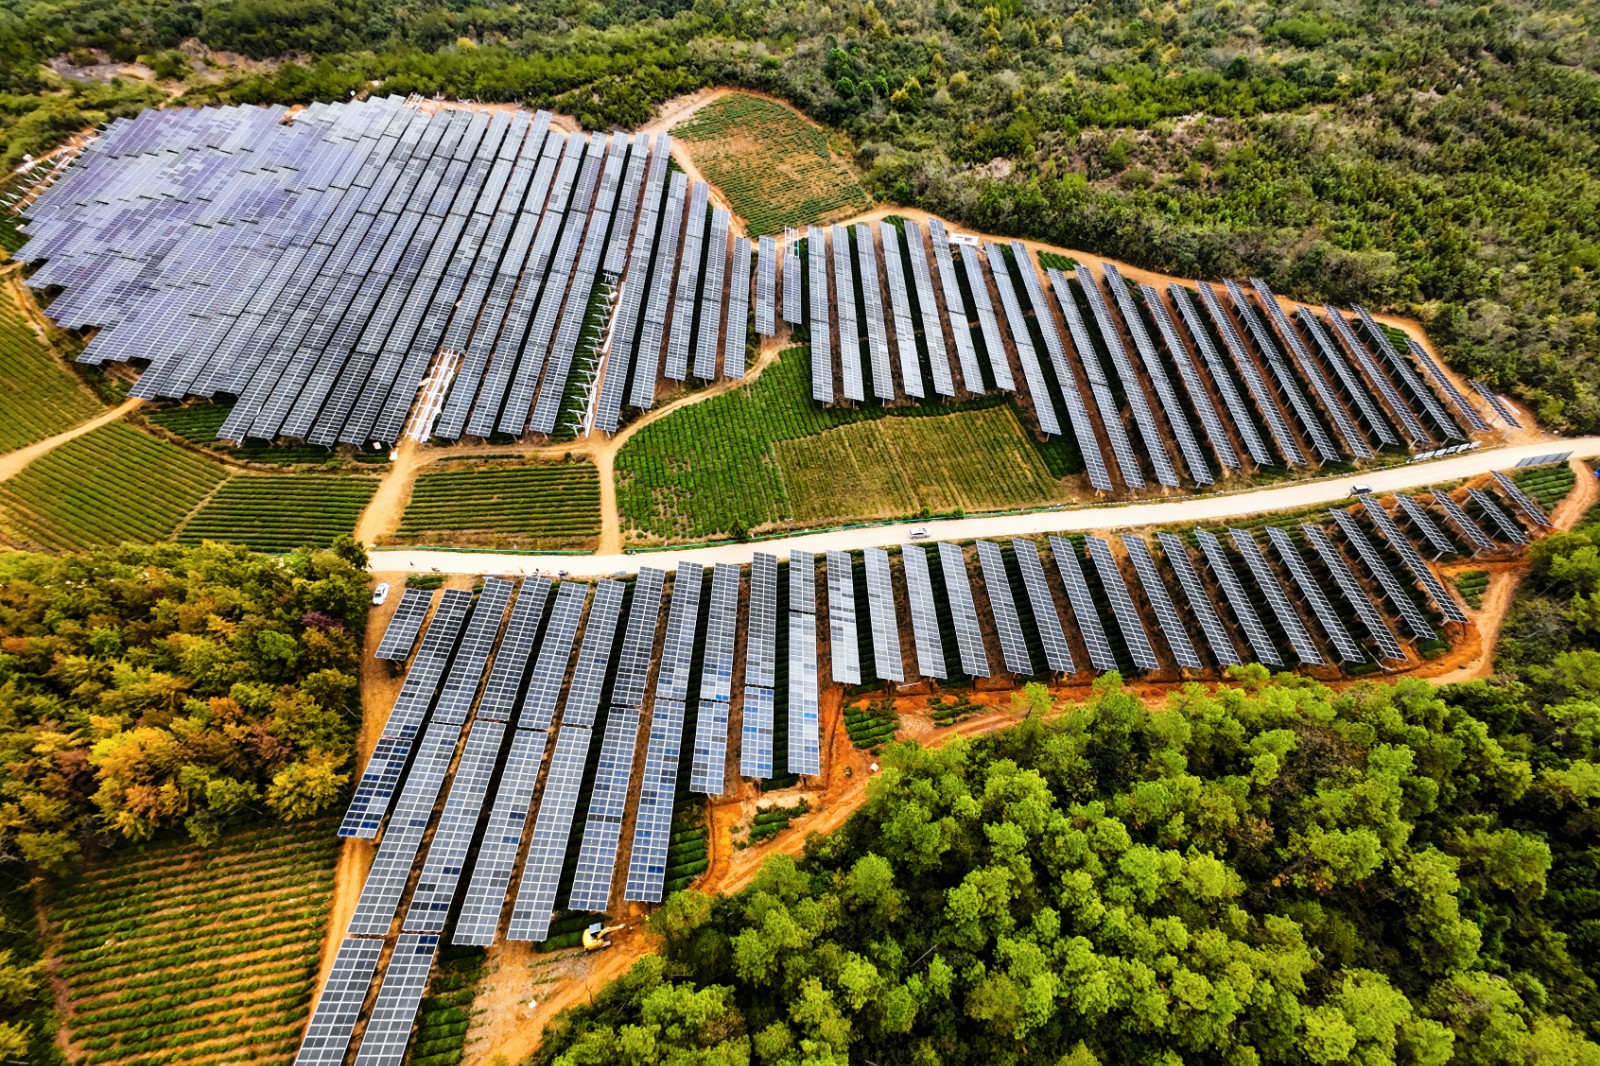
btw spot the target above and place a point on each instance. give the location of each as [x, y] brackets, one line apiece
[175, 953]
[105, 487]
[549, 505]
[280, 512]
[774, 167]
[39, 396]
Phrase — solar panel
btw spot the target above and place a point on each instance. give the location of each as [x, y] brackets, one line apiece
[1105, 401]
[1047, 622]
[1200, 605]
[1083, 608]
[1216, 369]
[1193, 383]
[677, 653]
[766, 286]
[1469, 530]
[516, 648]
[1408, 377]
[391, 867]
[872, 306]
[1334, 563]
[793, 283]
[1127, 615]
[886, 656]
[805, 745]
[555, 652]
[503, 833]
[333, 1021]
[1524, 502]
[547, 848]
[1487, 506]
[1354, 387]
[712, 283]
[1254, 632]
[1412, 560]
[928, 306]
[956, 309]
[400, 636]
[1402, 603]
[1288, 386]
[689, 273]
[844, 642]
[820, 324]
[594, 655]
[1144, 565]
[1013, 644]
[988, 325]
[1027, 356]
[1132, 386]
[1424, 525]
[638, 641]
[736, 336]
[905, 337]
[716, 676]
[608, 800]
[853, 384]
[1354, 442]
[1337, 635]
[1448, 387]
[924, 616]
[1288, 447]
[472, 654]
[1193, 457]
[802, 582]
[707, 769]
[761, 647]
[958, 586]
[399, 996]
[1497, 403]
[458, 823]
[1299, 637]
[652, 822]
[755, 746]
[1404, 416]
[647, 362]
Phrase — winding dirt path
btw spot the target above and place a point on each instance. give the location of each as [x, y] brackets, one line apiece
[13, 463]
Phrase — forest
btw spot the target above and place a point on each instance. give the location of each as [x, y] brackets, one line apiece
[1434, 158]
[145, 689]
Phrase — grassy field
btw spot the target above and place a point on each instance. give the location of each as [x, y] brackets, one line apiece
[774, 166]
[105, 487]
[198, 424]
[39, 396]
[549, 505]
[735, 463]
[978, 460]
[280, 512]
[174, 953]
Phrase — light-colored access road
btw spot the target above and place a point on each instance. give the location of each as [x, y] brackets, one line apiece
[1184, 510]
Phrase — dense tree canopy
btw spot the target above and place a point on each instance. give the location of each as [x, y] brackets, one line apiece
[144, 688]
[1271, 873]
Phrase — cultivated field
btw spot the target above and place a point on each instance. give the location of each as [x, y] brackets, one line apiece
[105, 487]
[737, 461]
[177, 953]
[198, 424]
[39, 396]
[278, 513]
[774, 166]
[549, 505]
[1548, 485]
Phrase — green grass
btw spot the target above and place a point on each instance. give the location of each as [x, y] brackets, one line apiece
[39, 395]
[1472, 584]
[718, 467]
[447, 1009]
[873, 727]
[549, 505]
[774, 167]
[280, 512]
[176, 953]
[1548, 485]
[112, 485]
[198, 424]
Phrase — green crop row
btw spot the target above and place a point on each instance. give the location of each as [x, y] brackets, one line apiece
[279, 513]
[39, 395]
[546, 502]
[1547, 485]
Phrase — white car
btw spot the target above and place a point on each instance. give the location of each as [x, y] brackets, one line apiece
[1361, 490]
[380, 593]
[920, 533]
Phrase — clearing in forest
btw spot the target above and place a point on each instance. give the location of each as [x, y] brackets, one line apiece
[774, 167]
[176, 952]
[39, 396]
[112, 485]
[546, 505]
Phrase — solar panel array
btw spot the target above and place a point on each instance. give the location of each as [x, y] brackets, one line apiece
[805, 743]
[1497, 517]
[1099, 385]
[1288, 386]
[652, 821]
[608, 800]
[924, 615]
[1243, 610]
[1246, 367]
[1424, 524]
[472, 653]
[658, 306]
[1216, 368]
[737, 332]
[905, 335]
[958, 592]
[1288, 618]
[886, 657]
[756, 740]
[767, 286]
[535, 902]
[1524, 502]
[338, 1009]
[1496, 402]
[1408, 376]
[1200, 605]
[1188, 373]
[1047, 621]
[1470, 531]
[1003, 608]
[1413, 561]
[1144, 565]
[435, 891]
[872, 308]
[928, 308]
[716, 683]
[680, 330]
[843, 636]
[1122, 608]
[1342, 575]
[638, 640]
[1101, 656]
[1044, 407]
[712, 282]
[761, 645]
[819, 321]
[1446, 386]
[1402, 603]
[1409, 424]
[1132, 387]
[594, 655]
[1332, 627]
[852, 380]
[555, 653]
[400, 635]
[1354, 442]
[793, 283]
[1366, 403]
[955, 307]
[399, 996]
